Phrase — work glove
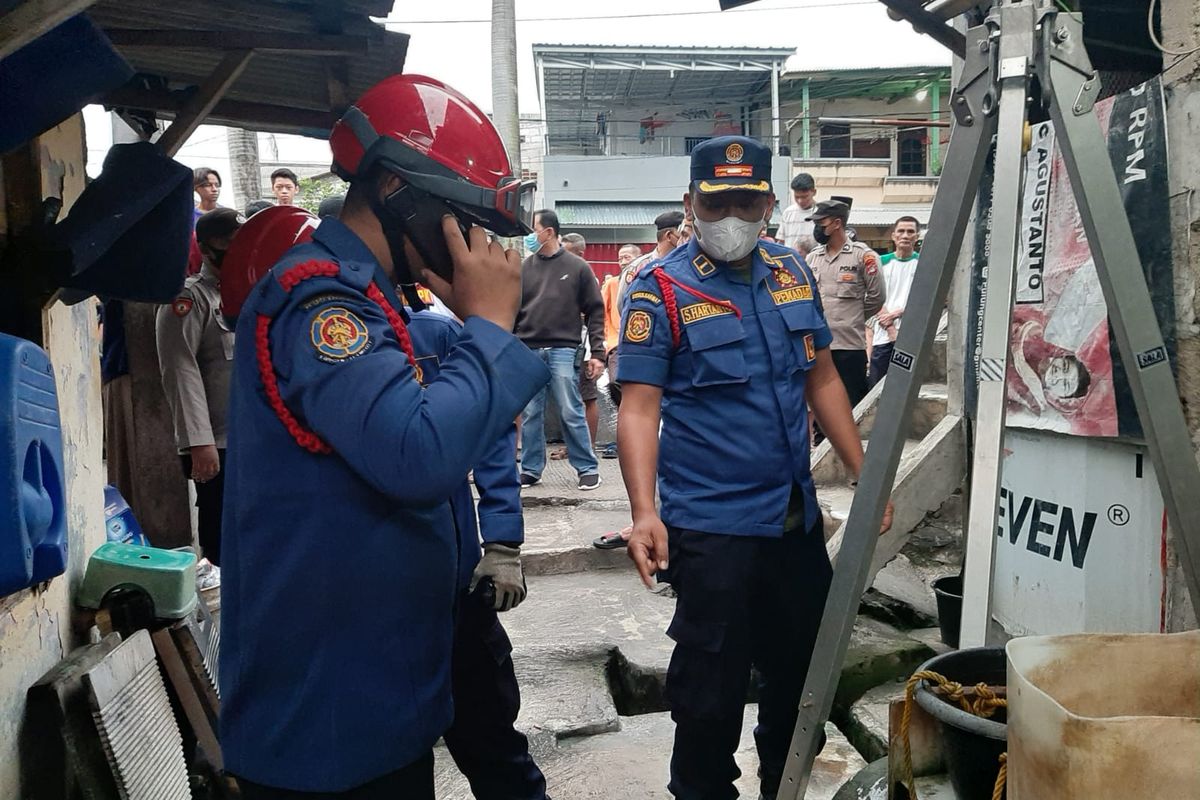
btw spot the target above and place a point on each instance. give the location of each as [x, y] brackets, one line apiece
[501, 564]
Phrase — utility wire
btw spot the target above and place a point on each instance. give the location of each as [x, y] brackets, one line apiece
[806, 7]
[1158, 42]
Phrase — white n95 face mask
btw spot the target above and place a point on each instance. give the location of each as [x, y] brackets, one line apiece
[728, 239]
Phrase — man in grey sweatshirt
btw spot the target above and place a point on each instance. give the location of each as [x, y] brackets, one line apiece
[557, 289]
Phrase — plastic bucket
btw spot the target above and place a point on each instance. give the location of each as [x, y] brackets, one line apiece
[971, 745]
[1104, 716]
[948, 592]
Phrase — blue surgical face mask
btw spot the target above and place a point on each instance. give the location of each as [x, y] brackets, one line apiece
[532, 243]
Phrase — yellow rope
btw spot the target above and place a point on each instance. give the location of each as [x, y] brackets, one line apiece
[984, 704]
[1002, 778]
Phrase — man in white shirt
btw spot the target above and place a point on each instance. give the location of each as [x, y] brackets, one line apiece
[899, 268]
[794, 225]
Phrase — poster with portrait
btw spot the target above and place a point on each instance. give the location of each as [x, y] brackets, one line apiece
[1064, 372]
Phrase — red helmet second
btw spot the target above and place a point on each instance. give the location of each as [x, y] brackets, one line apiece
[440, 142]
[256, 247]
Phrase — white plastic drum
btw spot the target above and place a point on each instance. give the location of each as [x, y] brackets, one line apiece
[1104, 717]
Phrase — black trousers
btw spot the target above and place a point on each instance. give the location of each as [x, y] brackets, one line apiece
[414, 782]
[852, 367]
[488, 750]
[210, 496]
[743, 601]
[881, 359]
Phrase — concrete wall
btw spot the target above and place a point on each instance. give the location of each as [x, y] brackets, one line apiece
[36, 628]
[1181, 31]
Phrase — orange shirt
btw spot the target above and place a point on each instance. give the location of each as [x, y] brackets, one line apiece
[612, 314]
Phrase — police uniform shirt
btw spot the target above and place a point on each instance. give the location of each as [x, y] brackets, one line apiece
[734, 418]
[499, 517]
[852, 291]
[195, 352]
[353, 543]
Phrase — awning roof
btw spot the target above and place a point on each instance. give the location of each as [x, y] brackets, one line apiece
[592, 214]
[310, 59]
[886, 83]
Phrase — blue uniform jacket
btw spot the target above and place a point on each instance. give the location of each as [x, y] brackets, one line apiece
[500, 518]
[734, 418]
[340, 569]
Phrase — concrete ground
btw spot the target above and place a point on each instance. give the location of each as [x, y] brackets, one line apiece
[591, 654]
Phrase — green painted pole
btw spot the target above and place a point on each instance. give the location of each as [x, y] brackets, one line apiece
[935, 144]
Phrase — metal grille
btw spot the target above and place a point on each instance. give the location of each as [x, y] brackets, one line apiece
[136, 725]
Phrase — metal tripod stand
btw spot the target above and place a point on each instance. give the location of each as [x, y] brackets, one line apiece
[1021, 40]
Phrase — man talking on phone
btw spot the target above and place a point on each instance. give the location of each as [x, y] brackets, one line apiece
[340, 548]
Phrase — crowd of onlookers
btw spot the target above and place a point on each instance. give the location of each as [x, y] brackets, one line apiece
[195, 350]
[567, 315]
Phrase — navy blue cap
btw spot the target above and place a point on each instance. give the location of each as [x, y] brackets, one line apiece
[731, 162]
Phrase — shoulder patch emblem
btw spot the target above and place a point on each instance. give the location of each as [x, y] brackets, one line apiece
[872, 263]
[339, 334]
[783, 277]
[699, 311]
[810, 348]
[638, 326]
[648, 296]
[181, 306]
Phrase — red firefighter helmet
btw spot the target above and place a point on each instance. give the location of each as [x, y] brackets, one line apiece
[256, 247]
[438, 141]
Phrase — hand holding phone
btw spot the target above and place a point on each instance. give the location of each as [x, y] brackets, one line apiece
[487, 278]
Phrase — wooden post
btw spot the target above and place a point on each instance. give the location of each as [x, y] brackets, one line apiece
[202, 103]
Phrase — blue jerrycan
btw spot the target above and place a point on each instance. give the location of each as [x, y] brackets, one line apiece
[33, 518]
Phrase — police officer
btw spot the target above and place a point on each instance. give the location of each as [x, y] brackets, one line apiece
[852, 289]
[340, 554]
[488, 750]
[726, 343]
[195, 352]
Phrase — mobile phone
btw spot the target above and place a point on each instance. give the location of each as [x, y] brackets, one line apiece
[422, 214]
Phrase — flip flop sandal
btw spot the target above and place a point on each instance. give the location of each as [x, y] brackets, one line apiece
[610, 541]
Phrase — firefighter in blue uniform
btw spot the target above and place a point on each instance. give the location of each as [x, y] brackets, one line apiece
[488, 750]
[341, 559]
[725, 343]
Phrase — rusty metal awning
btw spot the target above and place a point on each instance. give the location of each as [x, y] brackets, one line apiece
[288, 67]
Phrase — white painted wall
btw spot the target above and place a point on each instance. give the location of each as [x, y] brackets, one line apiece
[36, 625]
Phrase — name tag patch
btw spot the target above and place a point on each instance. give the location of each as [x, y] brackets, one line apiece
[699, 311]
[647, 296]
[792, 295]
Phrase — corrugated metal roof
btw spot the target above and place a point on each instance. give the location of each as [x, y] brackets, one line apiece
[590, 214]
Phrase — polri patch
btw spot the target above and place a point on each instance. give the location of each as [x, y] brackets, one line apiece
[647, 296]
[338, 334]
[699, 311]
[181, 306]
[871, 261]
[638, 326]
